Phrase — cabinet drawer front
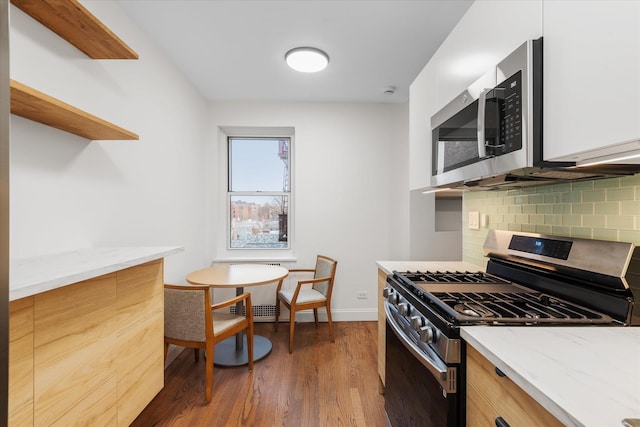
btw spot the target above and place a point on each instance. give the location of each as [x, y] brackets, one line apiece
[490, 396]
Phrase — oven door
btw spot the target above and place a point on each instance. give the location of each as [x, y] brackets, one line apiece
[420, 389]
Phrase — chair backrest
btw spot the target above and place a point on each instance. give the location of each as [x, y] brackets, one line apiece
[185, 312]
[325, 267]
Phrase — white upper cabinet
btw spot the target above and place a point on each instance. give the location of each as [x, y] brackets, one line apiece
[422, 105]
[488, 32]
[591, 76]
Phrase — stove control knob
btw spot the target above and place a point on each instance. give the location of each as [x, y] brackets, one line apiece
[426, 334]
[404, 309]
[386, 291]
[393, 297]
[417, 322]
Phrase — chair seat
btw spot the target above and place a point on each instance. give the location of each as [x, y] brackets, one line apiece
[224, 321]
[305, 296]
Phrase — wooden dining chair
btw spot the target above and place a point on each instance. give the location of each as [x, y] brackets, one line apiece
[308, 297]
[190, 320]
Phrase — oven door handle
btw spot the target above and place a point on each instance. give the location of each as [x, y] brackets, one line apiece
[445, 375]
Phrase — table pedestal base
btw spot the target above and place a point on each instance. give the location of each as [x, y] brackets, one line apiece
[227, 355]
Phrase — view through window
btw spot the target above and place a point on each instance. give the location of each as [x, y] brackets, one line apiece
[259, 193]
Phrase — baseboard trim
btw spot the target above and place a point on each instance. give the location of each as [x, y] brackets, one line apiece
[363, 315]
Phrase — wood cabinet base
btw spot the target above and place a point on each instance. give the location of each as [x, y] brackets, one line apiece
[89, 353]
[490, 396]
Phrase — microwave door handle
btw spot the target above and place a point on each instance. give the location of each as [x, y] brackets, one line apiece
[482, 102]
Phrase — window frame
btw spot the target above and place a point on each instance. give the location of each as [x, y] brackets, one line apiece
[225, 251]
[256, 193]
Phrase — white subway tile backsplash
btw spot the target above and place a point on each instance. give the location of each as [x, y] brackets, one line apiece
[621, 222]
[607, 209]
[622, 193]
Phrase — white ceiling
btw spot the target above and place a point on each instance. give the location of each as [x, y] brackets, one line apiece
[234, 50]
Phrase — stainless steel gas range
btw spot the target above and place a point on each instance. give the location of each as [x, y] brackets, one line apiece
[530, 280]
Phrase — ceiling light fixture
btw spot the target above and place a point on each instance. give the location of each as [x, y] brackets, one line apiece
[307, 59]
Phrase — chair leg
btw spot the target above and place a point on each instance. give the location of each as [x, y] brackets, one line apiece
[209, 371]
[277, 313]
[315, 316]
[250, 345]
[333, 339]
[292, 325]
[166, 350]
[196, 354]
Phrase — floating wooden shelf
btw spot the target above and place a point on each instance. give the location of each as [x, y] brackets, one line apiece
[71, 21]
[37, 106]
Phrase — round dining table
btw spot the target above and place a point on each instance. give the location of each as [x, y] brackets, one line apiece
[233, 350]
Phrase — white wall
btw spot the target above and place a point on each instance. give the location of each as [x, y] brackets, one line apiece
[436, 228]
[68, 192]
[398, 196]
[350, 182]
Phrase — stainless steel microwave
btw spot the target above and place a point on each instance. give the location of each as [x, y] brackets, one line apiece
[490, 136]
[491, 129]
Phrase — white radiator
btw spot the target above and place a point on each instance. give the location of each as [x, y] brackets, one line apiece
[263, 297]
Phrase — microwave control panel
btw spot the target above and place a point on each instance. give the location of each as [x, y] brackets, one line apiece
[510, 110]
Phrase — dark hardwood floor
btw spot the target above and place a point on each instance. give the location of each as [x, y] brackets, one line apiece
[320, 384]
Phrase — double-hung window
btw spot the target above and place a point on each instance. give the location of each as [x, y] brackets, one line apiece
[259, 192]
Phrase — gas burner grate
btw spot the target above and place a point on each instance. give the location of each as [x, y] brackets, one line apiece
[497, 306]
[450, 277]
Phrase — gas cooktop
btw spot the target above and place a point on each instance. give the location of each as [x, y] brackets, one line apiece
[534, 279]
[479, 297]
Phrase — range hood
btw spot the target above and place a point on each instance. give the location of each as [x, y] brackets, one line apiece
[532, 177]
[608, 162]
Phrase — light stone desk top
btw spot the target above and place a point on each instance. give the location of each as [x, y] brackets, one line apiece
[31, 276]
[584, 376]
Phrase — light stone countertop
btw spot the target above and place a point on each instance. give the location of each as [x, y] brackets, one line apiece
[584, 376]
[389, 266]
[31, 276]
